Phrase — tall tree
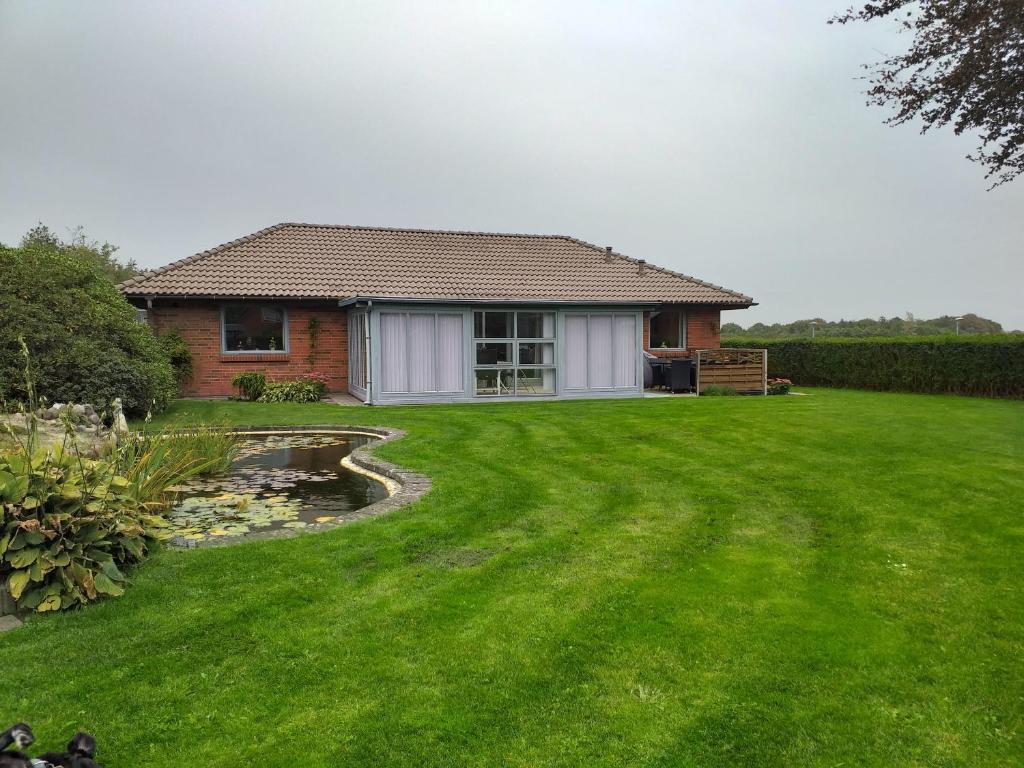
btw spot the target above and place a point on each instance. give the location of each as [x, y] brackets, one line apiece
[964, 67]
[101, 255]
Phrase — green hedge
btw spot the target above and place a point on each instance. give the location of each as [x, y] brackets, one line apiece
[991, 366]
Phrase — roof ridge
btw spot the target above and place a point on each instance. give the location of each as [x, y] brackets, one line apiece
[423, 231]
[197, 256]
[604, 251]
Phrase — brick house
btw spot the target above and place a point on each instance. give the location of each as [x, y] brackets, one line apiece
[404, 315]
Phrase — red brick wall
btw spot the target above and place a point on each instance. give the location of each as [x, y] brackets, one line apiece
[199, 324]
[703, 331]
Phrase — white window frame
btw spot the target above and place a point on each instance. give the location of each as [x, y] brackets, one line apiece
[284, 330]
[682, 330]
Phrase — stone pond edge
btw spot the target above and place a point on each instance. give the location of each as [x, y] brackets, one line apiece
[411, 486]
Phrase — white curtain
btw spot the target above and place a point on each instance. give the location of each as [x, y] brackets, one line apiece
[575, 352]
[393, 363]
[624, 351]
[600, 360]
[449, 353]
[421, 353]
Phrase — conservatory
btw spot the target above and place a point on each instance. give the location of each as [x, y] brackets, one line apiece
[417, 353]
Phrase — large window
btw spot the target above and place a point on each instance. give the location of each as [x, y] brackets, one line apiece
[254, 328]
[668, 329]
[514, 353]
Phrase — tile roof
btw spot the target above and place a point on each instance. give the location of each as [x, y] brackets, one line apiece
[340, 262]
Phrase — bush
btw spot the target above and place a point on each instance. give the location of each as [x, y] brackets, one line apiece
[179, 356]
[990, 366]
[299, 391]
[86, 344]
[779, 386]
[249, 384]
[716, 390]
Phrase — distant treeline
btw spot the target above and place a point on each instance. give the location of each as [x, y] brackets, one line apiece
[907, 325]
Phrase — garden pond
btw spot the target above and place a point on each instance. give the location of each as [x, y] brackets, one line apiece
[278, 480]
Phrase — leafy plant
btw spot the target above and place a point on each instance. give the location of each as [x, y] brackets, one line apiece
[197, 450]
[70, 524]
[318, 380]
[299, 391]
[250, 384]
[779, 386]
[180, 356]
[313, 329]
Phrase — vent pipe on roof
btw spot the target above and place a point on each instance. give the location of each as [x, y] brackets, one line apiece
[641, 267]
[607, 253]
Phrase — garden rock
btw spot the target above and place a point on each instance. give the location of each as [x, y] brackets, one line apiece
[86, 431]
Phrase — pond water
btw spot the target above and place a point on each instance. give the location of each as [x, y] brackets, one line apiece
[283, 480]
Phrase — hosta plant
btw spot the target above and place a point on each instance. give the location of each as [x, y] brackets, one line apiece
[70, 524]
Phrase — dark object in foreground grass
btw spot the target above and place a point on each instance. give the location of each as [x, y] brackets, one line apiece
[20, 735]
[80, 752]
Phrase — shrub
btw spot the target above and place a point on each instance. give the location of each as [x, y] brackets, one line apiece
[179, 356]
[250, 384]
[319, 380]
[991, 366]
[86, 344]
[299, 391]
[779, 386]
[716, 390]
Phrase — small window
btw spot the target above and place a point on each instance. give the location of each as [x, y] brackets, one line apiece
[254, 328]
[535, 325]
[668, 329]
[492, 325]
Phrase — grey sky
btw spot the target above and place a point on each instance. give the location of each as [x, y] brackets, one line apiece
[729, 141]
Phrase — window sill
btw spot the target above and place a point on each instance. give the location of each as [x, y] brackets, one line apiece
[254, 357]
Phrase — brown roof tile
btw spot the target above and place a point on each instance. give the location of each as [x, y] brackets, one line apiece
[340, 262]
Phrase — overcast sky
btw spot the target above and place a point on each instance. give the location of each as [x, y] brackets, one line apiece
[729, 141]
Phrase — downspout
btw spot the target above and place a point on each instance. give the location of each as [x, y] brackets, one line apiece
[369, 356]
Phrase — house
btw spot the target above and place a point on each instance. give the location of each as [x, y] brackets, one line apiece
[411, 315]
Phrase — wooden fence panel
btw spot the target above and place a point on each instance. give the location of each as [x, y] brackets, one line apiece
[745, 370]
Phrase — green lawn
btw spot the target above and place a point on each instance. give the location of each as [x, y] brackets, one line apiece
[811, 581]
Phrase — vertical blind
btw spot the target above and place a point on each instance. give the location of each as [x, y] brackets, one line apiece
[600, 351]
[421, 352]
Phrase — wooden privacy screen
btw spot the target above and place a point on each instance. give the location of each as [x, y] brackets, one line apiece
[745, 370]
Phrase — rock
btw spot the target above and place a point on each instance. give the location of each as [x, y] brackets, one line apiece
[50, 414]
[89, 410]
[77, 411]
[94, 419]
